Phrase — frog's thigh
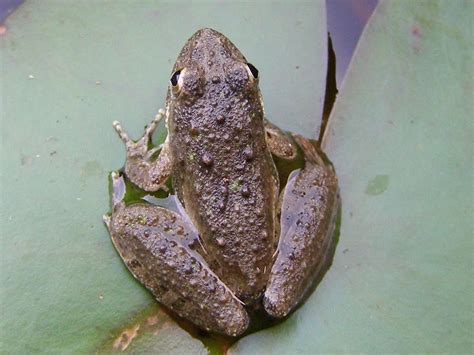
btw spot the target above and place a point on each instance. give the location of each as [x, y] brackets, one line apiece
[153, 243]
[308, 214]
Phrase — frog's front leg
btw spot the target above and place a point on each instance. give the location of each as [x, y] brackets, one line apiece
[278, 141]
[159, 248]
[309, 209]
[141, 166]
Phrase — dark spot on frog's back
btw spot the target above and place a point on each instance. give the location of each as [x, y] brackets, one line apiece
[245, 191]
[194, 130]
[248, 153]
[207, 159]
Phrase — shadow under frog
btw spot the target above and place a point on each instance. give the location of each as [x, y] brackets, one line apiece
[238, 246]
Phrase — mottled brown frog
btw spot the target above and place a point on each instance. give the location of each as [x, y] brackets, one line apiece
[236, 243]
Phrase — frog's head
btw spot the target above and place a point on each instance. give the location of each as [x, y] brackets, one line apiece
[210, 66]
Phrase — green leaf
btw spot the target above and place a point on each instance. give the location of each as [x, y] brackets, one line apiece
[401, 139]
[68, 69]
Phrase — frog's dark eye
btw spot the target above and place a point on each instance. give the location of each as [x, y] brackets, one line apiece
[253, 70]
[176, 81]
[175, 77]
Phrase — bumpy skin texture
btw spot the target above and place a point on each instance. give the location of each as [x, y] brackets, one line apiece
[230, 256]
[223, 172]
[156, 245]
[308, 219]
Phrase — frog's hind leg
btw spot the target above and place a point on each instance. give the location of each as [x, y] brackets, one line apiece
[159, 248]
[141, 166]
[308, 214]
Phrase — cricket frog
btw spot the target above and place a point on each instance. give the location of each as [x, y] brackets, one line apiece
[238, 241]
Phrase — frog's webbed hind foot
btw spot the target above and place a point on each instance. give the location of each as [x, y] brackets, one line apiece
[141, 166]
[155, 244]
[309, 209]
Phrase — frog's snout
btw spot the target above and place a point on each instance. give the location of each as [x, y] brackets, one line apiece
[206, 32]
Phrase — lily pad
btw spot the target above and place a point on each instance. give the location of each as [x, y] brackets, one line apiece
[68, 69]
[401, 139]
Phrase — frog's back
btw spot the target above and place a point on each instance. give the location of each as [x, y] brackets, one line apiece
[223, 171]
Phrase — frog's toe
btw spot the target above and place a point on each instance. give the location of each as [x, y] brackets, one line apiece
[153, 124]
[122, 134]
[142, 144]
[275, 306]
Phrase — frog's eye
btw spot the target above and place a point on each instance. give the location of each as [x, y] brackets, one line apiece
[177, 81]
[252, 70]
[175, 77]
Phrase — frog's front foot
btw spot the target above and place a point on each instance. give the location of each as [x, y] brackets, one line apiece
[142, 166]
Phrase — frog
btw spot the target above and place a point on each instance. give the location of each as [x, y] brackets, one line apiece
[239, 239]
